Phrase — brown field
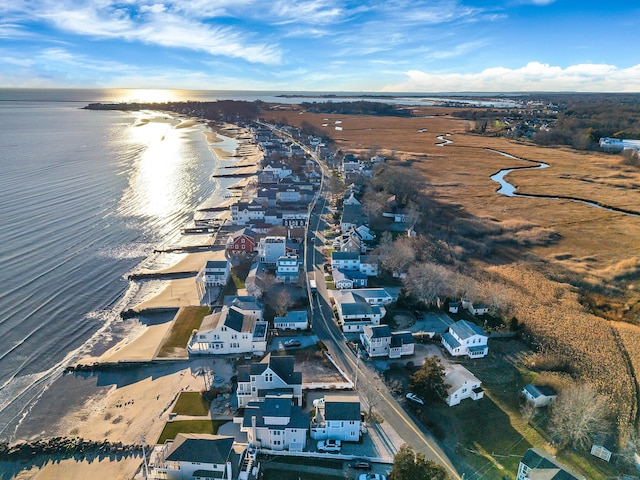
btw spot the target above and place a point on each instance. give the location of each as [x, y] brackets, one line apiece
[565, 291]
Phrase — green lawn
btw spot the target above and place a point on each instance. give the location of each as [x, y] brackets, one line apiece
[171, 429]
[191, 403]
[188, 320]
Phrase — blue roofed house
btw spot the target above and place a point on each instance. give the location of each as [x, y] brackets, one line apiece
[275, 423]
[197, 456]
[402, 344]
[272, 374]
[466, 339]
[539, 396]
[356, 310]
[337, 418]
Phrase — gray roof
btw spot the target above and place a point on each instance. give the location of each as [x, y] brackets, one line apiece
[244, 302]
[272, 406]
[401, 338]
[465, 329]
[342, 407]
[345, 256]
[296, 316]
[281, 365]
[360, 308]
[451, 340]
[216, 264]
[545, 466]
[539, 391]
[379, 331]
[202, 448]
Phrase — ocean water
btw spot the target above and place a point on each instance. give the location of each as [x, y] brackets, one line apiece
[85, 197]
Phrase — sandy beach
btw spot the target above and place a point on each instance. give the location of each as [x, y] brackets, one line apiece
[134, 404]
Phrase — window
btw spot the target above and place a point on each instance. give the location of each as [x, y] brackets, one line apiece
[268, 377]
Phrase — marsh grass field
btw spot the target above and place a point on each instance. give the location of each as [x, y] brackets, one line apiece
[568, 271]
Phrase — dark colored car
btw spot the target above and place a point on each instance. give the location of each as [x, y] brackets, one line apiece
[292, 343]
[360, 465]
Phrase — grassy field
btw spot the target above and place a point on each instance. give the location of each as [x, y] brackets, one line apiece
[171, 429]
[188, 320]
[191, 403]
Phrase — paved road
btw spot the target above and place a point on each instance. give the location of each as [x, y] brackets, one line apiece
[369, 384]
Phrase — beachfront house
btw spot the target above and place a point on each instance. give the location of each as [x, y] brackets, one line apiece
[275, 423]
[539, 396]
[466, 339]
[272, 374]
[538, 464]
[462, 384]
[196, 456]
[271, 248]
[230, 330]
[216, 273]
[242, 241]
[338, 417]
[296, 320]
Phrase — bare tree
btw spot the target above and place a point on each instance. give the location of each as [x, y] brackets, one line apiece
[374, 204]
[401, 255]
[578, 415]
[282, 301]
[427, 282]
[528, 411]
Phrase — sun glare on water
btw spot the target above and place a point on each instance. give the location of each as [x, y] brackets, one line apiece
[147, 95]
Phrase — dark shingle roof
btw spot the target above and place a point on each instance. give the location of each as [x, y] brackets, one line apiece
[342, 407]
[203, 448]
[546, 466]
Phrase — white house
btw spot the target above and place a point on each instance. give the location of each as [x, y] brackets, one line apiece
[539, 396]
[288, 268]
[346, 279]
[337, 418]
[454, 307]
[465, 339]
[365, 233]
[276, 423]
[355, 310]
[477, 308]
[537, 463]
[376, 340]
[280, 170]
[216, 273]
[373, 296]
[402, 344]
[463, 384]
[345, 260]
[369, 265]
[271, 374]
[352, 217]
[196, 456]
[229, 331]
[243, 213]
[292, 321]
[351, 200]
[271, 248]
[380, 341]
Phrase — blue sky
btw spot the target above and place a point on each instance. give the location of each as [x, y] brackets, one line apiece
[323, 45]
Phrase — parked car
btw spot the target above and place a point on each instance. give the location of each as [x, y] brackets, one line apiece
[330, 446]
[414, 398]
[318, 401]
[360, 465]
[372, 476]
[294, 342]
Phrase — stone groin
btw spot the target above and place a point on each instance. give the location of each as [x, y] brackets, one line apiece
[65, 447]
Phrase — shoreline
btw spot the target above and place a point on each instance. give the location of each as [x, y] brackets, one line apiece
[122, 406]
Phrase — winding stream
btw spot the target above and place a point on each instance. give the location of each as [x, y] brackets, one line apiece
[509, 190]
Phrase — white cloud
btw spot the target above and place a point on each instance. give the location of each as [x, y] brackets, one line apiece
[155, 24]
[534, 76]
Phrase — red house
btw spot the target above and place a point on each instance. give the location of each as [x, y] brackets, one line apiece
[243, 241]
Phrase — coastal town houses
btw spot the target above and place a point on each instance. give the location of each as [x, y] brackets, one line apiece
[462, 384]
[380, 341]
[347, 279]
[338, 417]
[538, 464]
[196, 456]
[358, 308]
[465, 339]
[294, 320]
[272, 374]
[352, 217]
[275, 423]
[241, 242]
[539, 396]
[230, 330]
[353, 261]
[216, 273]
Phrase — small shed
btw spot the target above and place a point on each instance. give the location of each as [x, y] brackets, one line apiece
[539, 396]
[454, 307]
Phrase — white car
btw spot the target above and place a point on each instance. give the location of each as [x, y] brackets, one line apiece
[414, 398]
[372, 476]
[331, 446]
[318, 401]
